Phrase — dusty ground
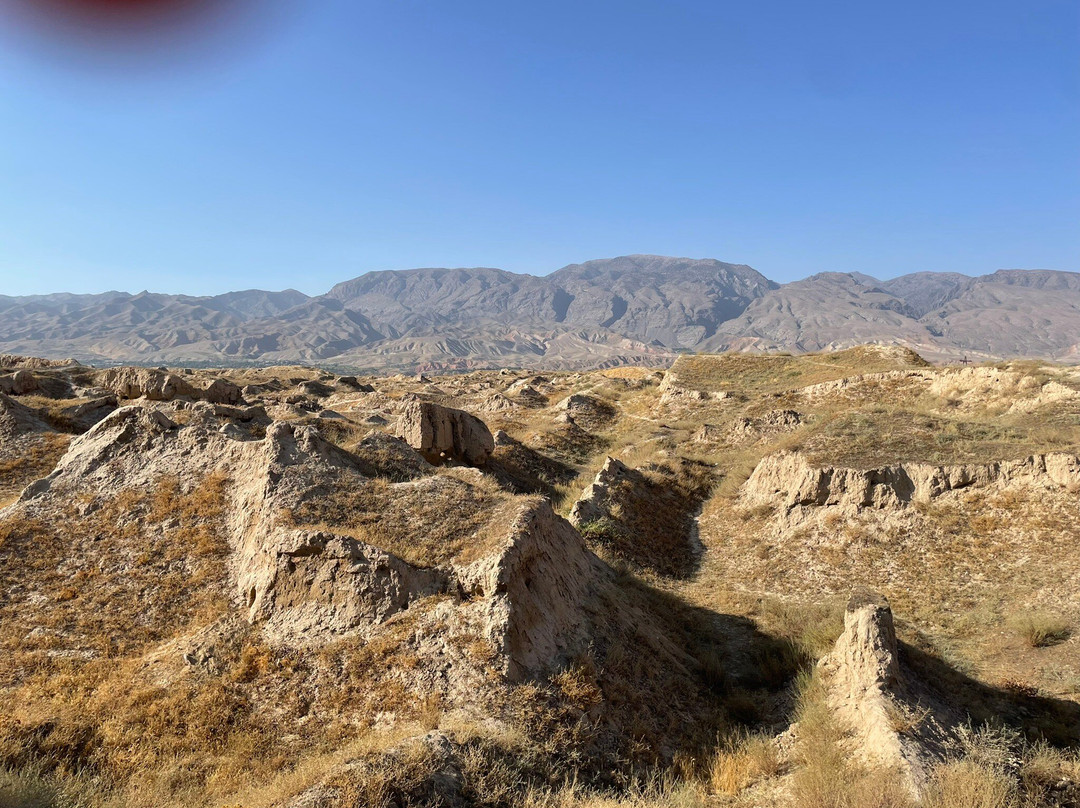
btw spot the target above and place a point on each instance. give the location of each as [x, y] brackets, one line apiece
[744, 591]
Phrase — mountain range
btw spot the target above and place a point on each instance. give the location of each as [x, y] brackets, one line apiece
[637, 309]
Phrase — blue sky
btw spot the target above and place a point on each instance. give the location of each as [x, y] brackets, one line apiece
[332, 137]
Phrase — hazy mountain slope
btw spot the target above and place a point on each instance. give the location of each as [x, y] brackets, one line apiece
[675, 301]
[114, 325]
[254, 303]
[415, 298]
[825, 311]
[463, 348]
[1013, 313]
[155, 328]
[925, 291]
[626, 310]
[318, 329]
[58, 301]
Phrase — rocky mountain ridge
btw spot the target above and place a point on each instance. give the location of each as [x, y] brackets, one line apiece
[638, 309]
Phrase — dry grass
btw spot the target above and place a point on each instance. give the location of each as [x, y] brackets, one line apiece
[955, 567]
[649, 517]
[655, 792]
[145, 566]
[982, 775]
[1045, 769]
[773, 373]
[965, 784]
[675, 664]
[741, 761]
[880, 435]
[828, 777]
[29, 788]
[1040, 629]
[813, 628]
[30, 458]
[454, 513]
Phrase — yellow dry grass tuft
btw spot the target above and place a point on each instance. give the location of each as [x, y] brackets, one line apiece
[1041, 629]
[741, 761]
[965, 784]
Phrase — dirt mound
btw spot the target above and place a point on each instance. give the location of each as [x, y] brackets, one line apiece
[220, 391]
[496, 402]
[18, 383]
[323, 584]
[763, 427]
[190, 577]
[789, 481]
[897, 723]
[12, 361]
[587, 411]
[439, 432]
[285, 579]
[674, 391]
[529, 392]
[17, 419]
[530, 590]
[524, 582]
[80, 416]
[155, 385]
[1013, 390]
[383, 455]
[645, 516]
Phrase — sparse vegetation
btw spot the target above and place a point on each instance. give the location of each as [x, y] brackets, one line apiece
[33, 458]
[828, 776]
[1041, 630]
[742, 760]
[130, 675]
[964, 784]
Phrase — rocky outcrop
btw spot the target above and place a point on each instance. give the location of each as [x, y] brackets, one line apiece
[1016, 391]
[496, 402]
[596, 500]
[315, 388]
[131, 446]
[18, 383]
[673, 395]
[320, 583]
[790, 481]
[647, 517]
[297, 581]
[390, 457]
[710, 433]
[531, 590]
[432, 759]
[896, 723]
[525, 393]
[588, 411]
[84, 415]
[220, 391]
[17, 419]
[439, 432]
[155, 385]
[775, 422]
[848, 383]
[9, 361]
[673, 391]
